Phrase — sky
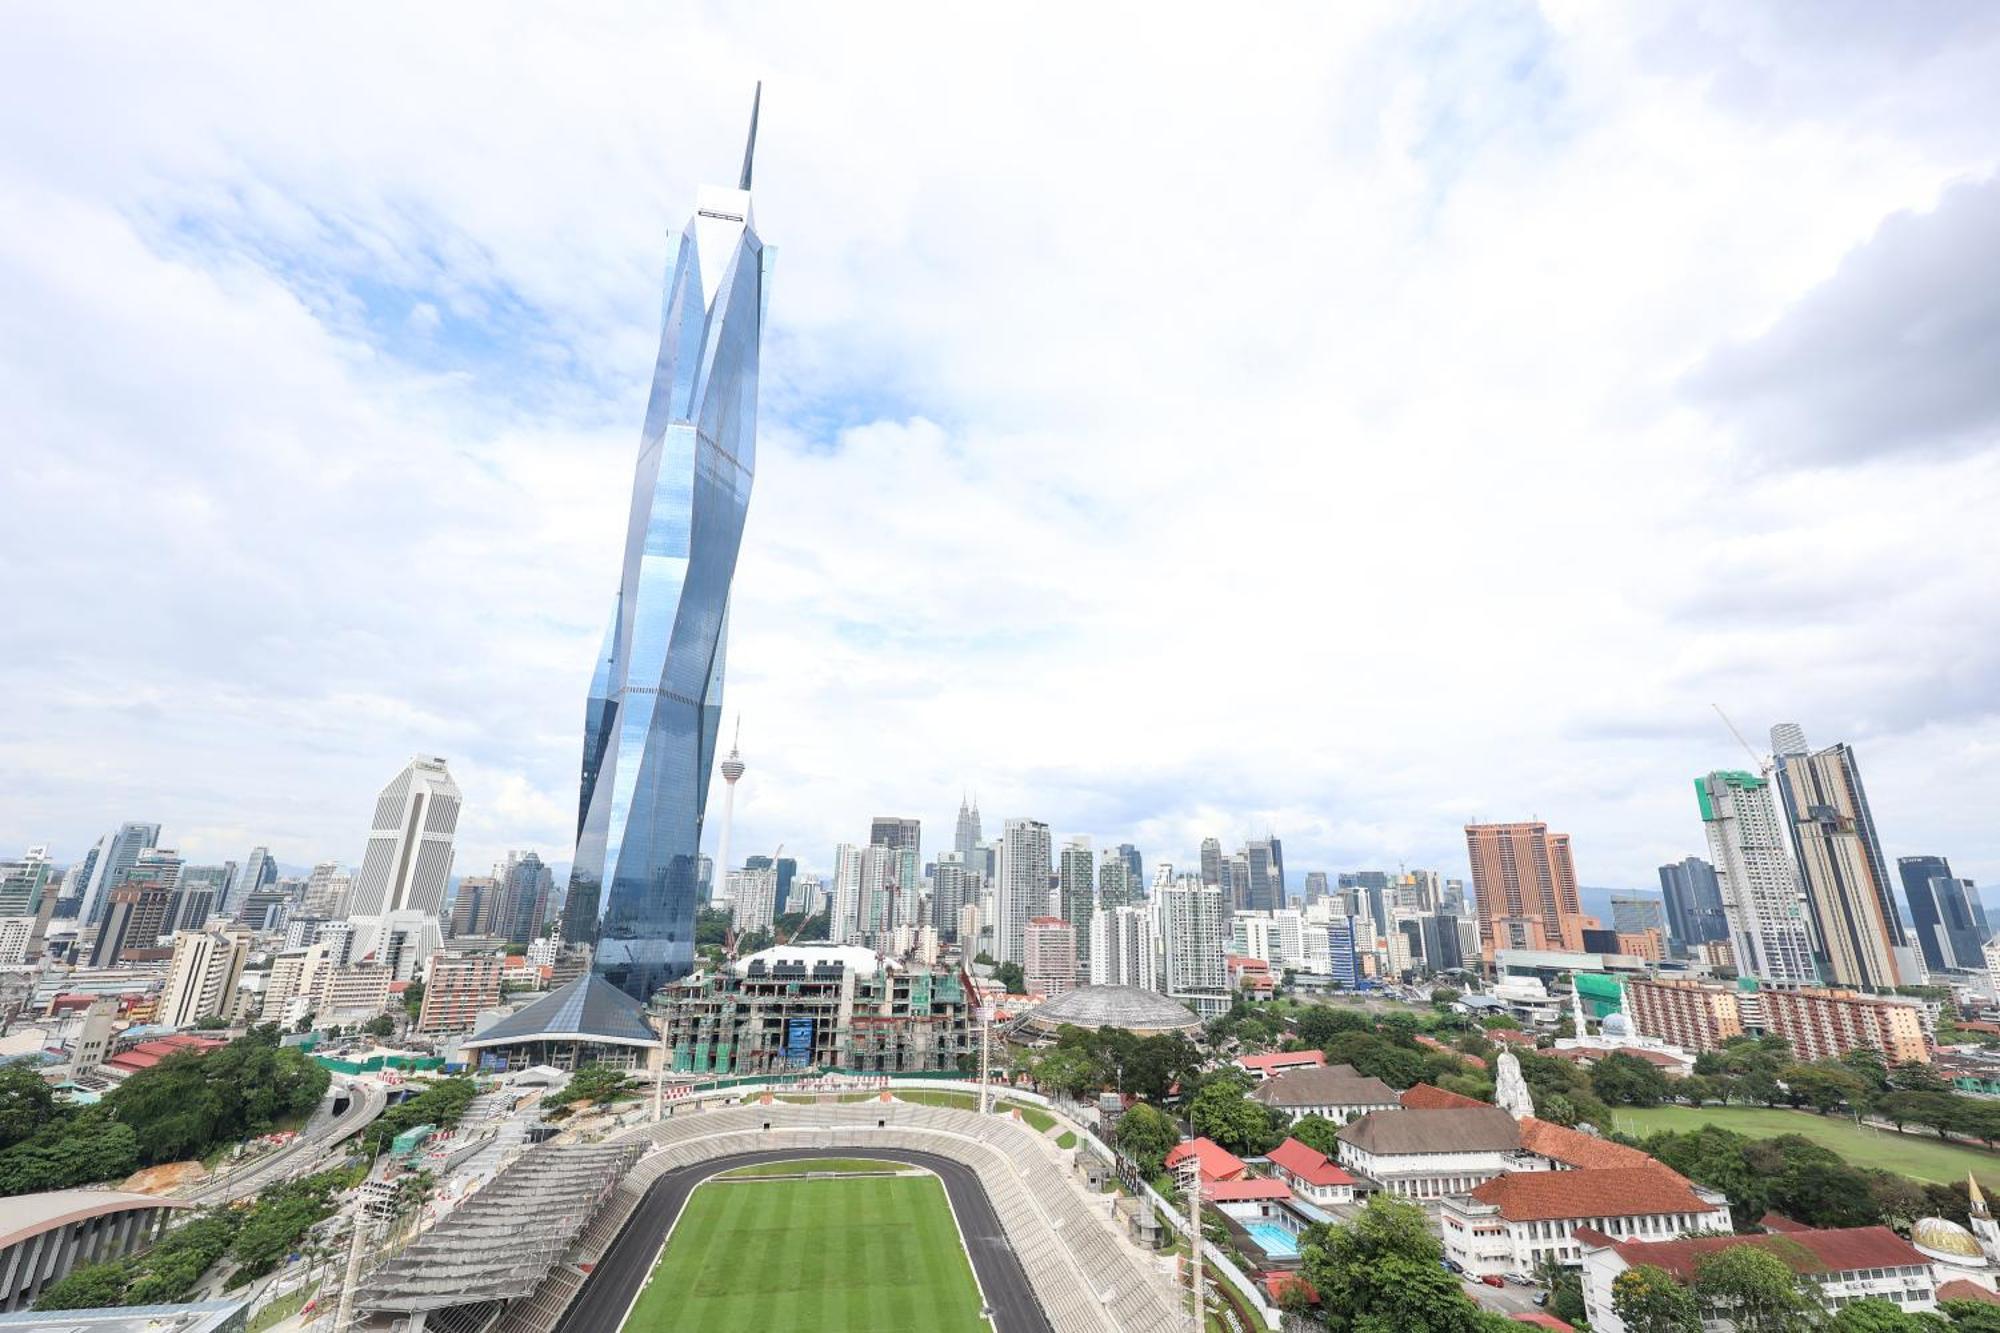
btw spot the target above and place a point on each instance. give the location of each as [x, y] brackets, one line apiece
[1343, 421]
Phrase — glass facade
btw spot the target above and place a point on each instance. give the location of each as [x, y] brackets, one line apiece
[656, 698]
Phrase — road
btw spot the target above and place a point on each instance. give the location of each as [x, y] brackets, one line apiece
[1509, 1300]
[304, 1154]
[608, 1293]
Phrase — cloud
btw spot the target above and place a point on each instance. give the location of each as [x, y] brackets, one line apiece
[1268, 426]
[1892, 355]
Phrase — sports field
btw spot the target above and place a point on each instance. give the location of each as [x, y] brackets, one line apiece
[866, 1253]
[1913, 1155]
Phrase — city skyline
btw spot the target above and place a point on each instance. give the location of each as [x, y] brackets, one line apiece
[480, 335]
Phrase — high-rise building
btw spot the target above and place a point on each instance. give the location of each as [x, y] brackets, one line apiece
[1076, 895]
[1346, 939]
[475, 909]
[965, 835]
[753, 899]
[894, 831]
[202, 977]
[845, 921]
[655, 704]
[1525, 883]
[456, 988]
[953, 885]
[879, 867]
[1023, 888]
[1693, 897]
[1860, 935]
[1135, 866]
[1263, 887]
[1211, 861]
[115, 854]
[327, 888]
[526, 885]
[409, 842]
[1316, 886]
[24, 883]
[1118, 884]
[1760, 889]
[1634, 915]
[1125, 948]
[1694, 1015]
[1950, 920]
[1826, 1023]
[1194, 937]
[259, 872]
[787, 869]
[134, 920]
[1049, 963]
[1373, 886]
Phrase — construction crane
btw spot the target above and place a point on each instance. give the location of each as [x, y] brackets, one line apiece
[1763, 762]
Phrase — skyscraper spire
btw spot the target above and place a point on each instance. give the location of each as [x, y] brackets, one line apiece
[750, 144]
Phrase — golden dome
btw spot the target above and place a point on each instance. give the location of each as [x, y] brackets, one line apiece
[1948, 1238]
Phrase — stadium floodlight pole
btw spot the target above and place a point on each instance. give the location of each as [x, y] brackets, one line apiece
[1194, 1235]
[985, 1055]
[660, 1077]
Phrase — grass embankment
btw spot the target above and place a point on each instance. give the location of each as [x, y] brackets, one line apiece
[1034, 1115]
[878, 1253]
[1917, 1156]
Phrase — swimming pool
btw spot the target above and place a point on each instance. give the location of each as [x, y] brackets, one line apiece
[1273, 1240]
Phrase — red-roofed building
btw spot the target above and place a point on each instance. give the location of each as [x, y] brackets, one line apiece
[1217, 1162]
[1574, 1150]
[1252, 976]
[1250, 1189]
[1512, 1036]
[1276, 1284]
[149, 1053]
[1279, 1062]
[1311, 1174]
[1513, 1222]
[1843, 1266]
[1425, 1097]
[1965, 1289]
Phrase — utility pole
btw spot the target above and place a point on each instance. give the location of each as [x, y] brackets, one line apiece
[660, 1077]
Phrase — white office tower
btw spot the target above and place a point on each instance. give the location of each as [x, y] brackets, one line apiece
[294, 981]
[409, 845]
[1194, 932]
[1023, 889]
[156, 865]
[969, 918]
[202, 978]
[1076, 895]
[753, 899]
[1276, 937]
[1761, 896]
[1125, 948]
[953, 885]
[327, 889]
[909, 874]
[878, 889]
[403, 942]
[113, 856]
[845, 923]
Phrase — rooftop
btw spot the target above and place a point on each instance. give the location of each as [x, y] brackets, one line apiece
[1573, 1147]
[586, 1009]
[1456, 1129]
[856, 959]
[1308, 1164]
[25, 1215]
[1280, 1060]
[1840, 1250]
[1217, 1162]
[1330, 1085]
[1616, 1191]
[1427, 1097]
[1252, 1189]
[1126, 1007]
[194, 1317]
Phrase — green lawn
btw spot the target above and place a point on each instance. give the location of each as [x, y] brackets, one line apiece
[807, 1165]
[1066, 1140]
[278, 1311]
[958, 1101]
[1914, 1155]
[876, 1254]
[1034, 1115]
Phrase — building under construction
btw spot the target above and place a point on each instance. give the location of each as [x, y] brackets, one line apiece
[817, 1006]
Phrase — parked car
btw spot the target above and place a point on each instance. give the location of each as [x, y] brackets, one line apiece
[1493, 1280]
[1541, 1298]
[1453, 1266]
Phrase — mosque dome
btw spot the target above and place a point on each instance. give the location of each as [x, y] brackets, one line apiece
[1947, 1240]
[1616, 1025]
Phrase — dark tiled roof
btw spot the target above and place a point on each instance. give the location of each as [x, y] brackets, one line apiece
[589, 1008]
[1456, 1129]
[1333, 1085]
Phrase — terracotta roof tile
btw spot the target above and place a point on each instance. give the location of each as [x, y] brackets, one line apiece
[1282, 1060]
[1217, 1162]
[1247, 1190]
[1833, 1251]
[1308, 1164]
[1576, 1148]
[1963, 1289]
[1427, 1097]
[1618, 1191]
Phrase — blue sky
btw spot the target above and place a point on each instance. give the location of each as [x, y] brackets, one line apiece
[1348, 424]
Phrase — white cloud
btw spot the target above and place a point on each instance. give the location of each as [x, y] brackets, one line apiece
[1168, 430]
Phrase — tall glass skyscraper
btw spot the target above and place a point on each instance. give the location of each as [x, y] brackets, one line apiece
[655, 703]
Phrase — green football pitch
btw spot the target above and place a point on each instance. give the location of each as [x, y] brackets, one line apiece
[866, 1253]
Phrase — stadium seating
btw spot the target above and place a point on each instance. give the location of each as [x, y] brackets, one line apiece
[1082, 1274]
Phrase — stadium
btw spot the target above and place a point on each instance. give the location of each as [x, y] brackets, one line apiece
[828, 1214]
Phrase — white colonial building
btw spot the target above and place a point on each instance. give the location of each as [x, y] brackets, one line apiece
[1514, 1222]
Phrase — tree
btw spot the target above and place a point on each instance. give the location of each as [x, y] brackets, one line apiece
[1317, 1133]
[1759, 1291]
[1321, 1023]
[1069, 1070]
[1971, 1316]
[1221, 1112]
[1626, 1080]
[1651, 1300]
[710, 926]
[1382, 1274]
[1146, 1135]
[1443, 997]
[1875, 1315]
[379, 1026]
[26, 1103]
[91, 1287]
[1009, 975]
[413, 1000]
[1151, 1066]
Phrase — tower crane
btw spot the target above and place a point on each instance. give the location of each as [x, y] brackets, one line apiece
[1763, 762]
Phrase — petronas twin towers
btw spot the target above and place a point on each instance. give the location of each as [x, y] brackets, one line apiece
[649, 731]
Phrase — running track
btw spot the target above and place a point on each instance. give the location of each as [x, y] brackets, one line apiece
[607, 1294]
